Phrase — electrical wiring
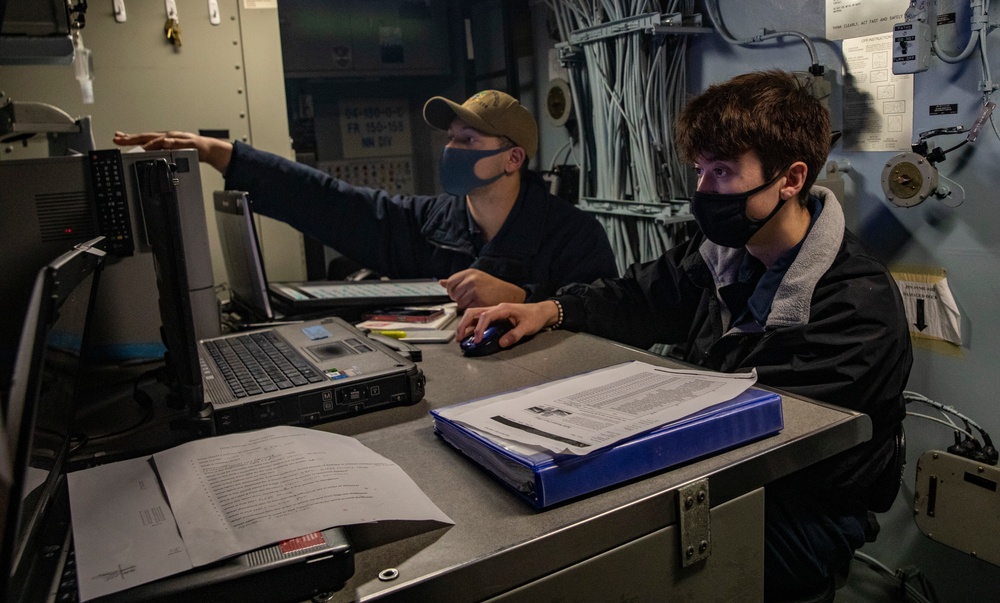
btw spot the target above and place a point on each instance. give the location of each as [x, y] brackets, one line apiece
[716, 18]
[873, 562]
[971, 448]
[977, 34]
[994, 126]
[904, 582]
[572, 153]
[618, 116]
[911, 582]
[911, 396]
[955, 147]
[979, 30]
[626, 91]
[147, 416]
[941, 421]
[947, 418]
[573, 77]
[987, 84]
[555, 156]
[144, 402]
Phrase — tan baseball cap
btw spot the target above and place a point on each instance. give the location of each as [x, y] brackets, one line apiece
[491, 112]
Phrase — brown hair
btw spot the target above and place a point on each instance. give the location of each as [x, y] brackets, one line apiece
[771, 113]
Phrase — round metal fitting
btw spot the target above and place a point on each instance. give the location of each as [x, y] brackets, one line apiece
[908, 179]
[387, 575]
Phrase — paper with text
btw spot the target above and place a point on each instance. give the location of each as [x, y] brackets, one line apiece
[878, 104]
[857, 18]
[598, 409]
[122, 540]
[239, 492]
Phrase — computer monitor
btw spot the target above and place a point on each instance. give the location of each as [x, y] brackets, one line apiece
[49, 204]
[51, 360]
[158, 199]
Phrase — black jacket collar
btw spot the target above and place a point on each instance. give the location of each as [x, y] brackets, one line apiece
[520, 236]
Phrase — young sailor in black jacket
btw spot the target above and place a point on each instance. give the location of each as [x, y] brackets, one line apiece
[774, 281]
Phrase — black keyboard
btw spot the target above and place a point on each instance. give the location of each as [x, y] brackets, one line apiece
[258, 363]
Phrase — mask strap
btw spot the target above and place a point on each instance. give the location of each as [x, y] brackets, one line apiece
[781, 201]
[756, 190]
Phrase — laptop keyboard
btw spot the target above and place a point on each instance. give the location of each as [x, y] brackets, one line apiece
[67, 591]
[257, 363]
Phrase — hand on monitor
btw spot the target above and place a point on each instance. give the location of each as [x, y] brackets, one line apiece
[471, 287]
[213, 151]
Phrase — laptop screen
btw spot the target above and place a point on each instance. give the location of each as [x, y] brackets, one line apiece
[42, 401]
[241, 252]
[251, 292]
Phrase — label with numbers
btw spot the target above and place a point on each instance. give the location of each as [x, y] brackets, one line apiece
[375, 128]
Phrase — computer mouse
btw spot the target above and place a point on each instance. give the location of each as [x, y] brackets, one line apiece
[490, 343]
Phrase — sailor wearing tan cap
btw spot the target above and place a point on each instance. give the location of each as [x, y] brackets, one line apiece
[495, 235]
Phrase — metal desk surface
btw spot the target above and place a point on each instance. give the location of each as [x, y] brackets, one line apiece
[498, 542]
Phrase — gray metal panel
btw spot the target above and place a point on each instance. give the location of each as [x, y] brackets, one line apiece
[284, 255]
[345, 38]
[956, 502]
[141, 82]
[649, 568]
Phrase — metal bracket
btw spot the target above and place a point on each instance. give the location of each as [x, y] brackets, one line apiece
[636, 23]
[667, 212]
[696, 526]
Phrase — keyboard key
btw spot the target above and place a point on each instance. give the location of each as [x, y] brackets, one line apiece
[260, 362]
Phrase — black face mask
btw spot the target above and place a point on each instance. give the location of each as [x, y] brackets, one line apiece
[458, 169]
[723, 217]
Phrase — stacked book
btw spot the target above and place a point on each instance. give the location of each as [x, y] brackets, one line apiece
[416, 324]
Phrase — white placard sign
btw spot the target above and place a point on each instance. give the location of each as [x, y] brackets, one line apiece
[931, 309]
[856, 18]
[878, 105]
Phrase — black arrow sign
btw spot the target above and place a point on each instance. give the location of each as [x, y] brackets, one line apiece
[920, 324]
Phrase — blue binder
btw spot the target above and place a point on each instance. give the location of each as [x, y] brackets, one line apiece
[544, 479]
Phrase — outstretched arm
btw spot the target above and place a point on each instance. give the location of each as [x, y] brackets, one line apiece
[212, 151]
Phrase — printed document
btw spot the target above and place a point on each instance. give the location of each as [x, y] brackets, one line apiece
[222, 496]
[123, 539]
[239, 492]
[597, 409]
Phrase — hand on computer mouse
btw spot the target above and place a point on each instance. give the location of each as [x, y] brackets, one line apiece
[527, 319]
[489, 343]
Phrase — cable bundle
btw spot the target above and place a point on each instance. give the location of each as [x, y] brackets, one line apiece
[626, 91]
